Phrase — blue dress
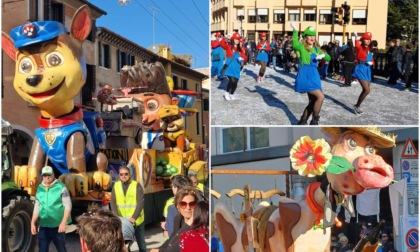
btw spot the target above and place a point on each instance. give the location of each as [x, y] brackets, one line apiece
[308, 78]
[234, 68]
[363, 71]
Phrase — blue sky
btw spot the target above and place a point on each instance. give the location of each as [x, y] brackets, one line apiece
[178, 23]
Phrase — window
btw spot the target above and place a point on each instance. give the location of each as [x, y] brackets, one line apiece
[251, 16]
[197, 120]
[33, 10]
[205, 104]
[242, 139]
[89, 86]
[197, 88]
[294, 15]
[359, 17]
[53, 11]
[104, 55]
[278, 16]
[262, 15]
[325, 17]
[184, 85]
[175, 79]
[240, 14]
[310, 15]
[124, 59]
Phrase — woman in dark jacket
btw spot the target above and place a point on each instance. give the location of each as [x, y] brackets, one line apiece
[348, 60]
[185, 201]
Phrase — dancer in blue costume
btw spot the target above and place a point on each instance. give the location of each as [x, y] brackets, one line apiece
[308, 79]
[362, 71]
[217, 56]
[235, 59]
[263, 48]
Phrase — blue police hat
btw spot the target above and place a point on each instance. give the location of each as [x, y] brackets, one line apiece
[36, 32]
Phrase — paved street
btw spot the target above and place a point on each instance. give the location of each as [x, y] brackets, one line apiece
[274, 102]
[153, 239]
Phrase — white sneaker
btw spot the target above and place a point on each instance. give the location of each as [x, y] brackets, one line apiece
[354, 82]
[232, 97]
[227, 96]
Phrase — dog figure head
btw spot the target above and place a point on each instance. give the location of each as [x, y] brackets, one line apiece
[50, 64]
[171, 118]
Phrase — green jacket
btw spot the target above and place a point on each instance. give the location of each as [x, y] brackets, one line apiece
[304, 54]
[51, 210]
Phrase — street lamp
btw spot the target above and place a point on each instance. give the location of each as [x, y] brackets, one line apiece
[241, 17]
[124, 2]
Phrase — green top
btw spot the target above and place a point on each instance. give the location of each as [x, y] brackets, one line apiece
[304, 55]
[51, 205]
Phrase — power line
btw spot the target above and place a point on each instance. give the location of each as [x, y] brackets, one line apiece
[191, 22]
[200, 13]
[186, 33]
[180, 40]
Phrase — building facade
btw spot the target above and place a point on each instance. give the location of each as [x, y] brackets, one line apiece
[274, 17]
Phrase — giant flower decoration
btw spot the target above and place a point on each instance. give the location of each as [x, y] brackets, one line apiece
[310, 158]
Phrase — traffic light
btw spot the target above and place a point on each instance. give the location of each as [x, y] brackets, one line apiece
[346, 12]
[338, 15]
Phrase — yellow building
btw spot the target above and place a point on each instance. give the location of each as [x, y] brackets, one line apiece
[274, 17]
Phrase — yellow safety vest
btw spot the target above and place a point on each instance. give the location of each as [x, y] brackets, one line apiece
[200, 187]
[127, 203]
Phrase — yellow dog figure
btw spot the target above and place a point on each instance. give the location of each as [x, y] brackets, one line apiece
[50, 72]
[175, 136]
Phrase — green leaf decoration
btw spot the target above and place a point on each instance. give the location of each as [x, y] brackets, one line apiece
[339, 165]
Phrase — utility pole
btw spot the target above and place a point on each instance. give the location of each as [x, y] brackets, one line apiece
[154, 10]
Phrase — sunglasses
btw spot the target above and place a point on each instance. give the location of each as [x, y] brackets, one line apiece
[46, 175]
[124, 174]
[184, 204]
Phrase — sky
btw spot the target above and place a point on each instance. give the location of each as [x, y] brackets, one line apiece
[181, 24]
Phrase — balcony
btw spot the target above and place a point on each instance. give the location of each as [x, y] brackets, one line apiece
[219, 5]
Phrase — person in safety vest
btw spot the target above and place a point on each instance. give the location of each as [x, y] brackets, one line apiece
[53, 208]
[127, 200]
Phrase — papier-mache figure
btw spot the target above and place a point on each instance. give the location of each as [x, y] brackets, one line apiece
[50, 72]
[175, 136]
[150, 86]
[348, 162]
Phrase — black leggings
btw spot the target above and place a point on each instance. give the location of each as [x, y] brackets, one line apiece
[348, 70]
[316, 98]
[232, 85]
[366, 90]
[262, 69]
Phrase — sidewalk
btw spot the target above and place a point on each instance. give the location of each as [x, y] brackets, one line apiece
[274, 102]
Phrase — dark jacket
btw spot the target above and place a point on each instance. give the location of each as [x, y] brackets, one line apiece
[348, 54]
[407, 61]
[397, 54]
[172, 244]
